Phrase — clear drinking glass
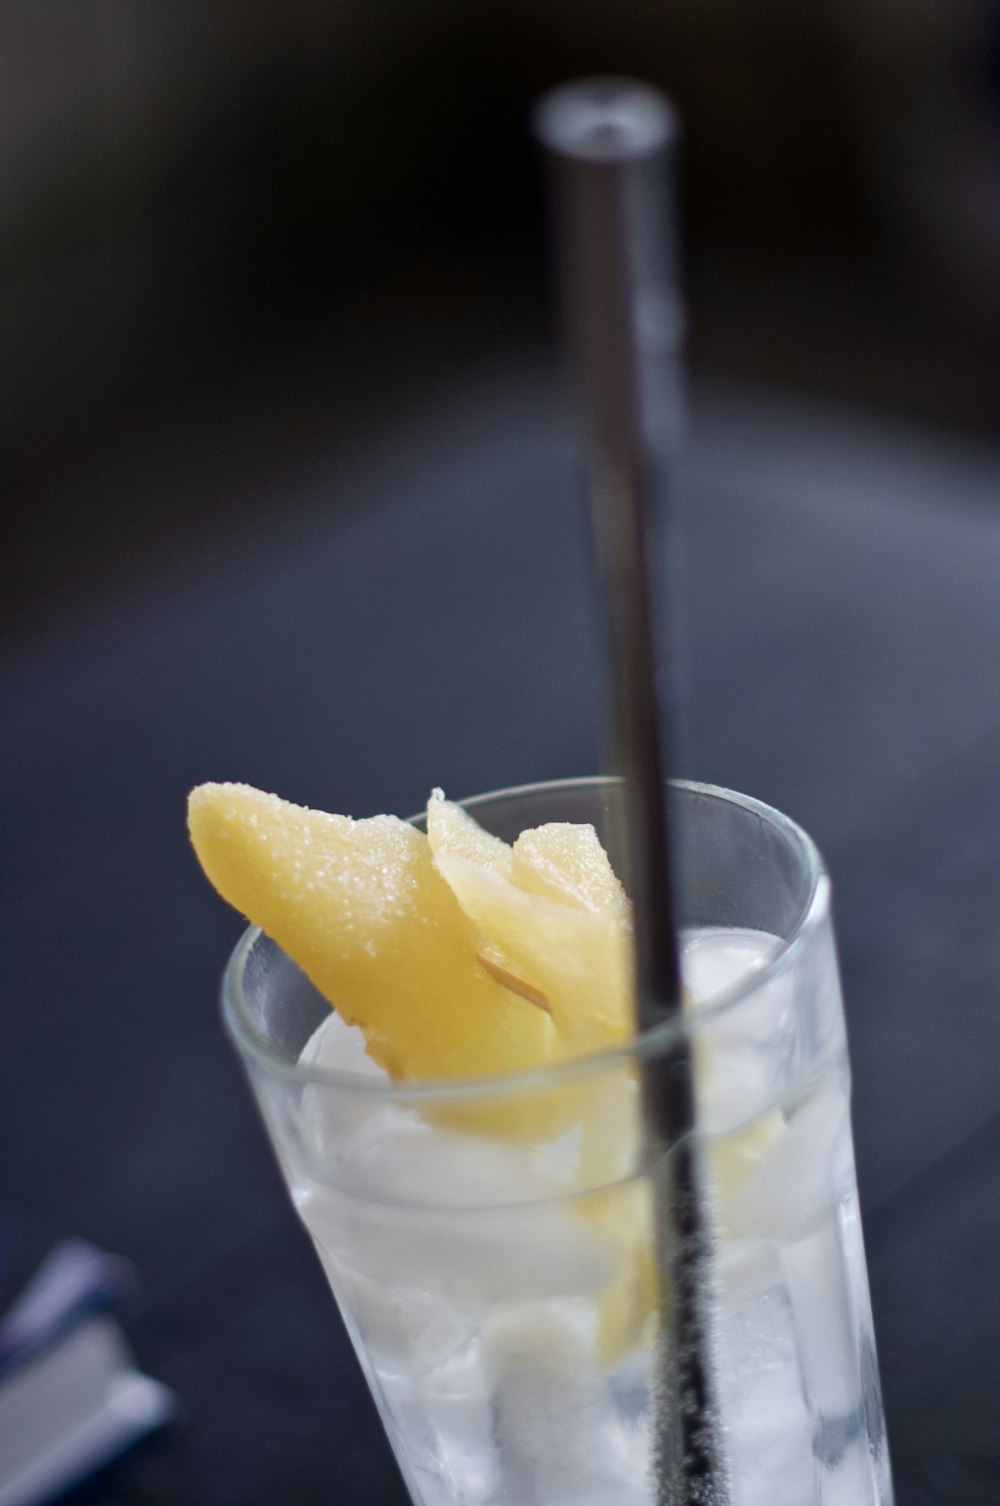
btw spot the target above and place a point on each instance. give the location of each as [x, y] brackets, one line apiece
[489, 1242]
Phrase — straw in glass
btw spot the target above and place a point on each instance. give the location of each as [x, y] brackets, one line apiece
[610, 145]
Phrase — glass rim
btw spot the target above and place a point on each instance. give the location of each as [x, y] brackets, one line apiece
[254, 1045]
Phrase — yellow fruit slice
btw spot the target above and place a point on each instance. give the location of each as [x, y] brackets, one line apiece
[498, 967]
[559, 920]
[452, 829]
[634, 1292]
[567, 863]
[553, 917]
[362, 909]
[580, 960]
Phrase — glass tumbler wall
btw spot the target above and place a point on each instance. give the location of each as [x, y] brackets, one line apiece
[490, 1242]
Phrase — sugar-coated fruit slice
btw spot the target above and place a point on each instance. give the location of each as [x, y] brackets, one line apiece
[452, 829]
[552, 914]
[363, 910]
[567, 863]
[580, 960]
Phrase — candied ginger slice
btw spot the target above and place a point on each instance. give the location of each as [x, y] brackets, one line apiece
[579, 960]
[361, 907]
[452, 829]
[567, 863]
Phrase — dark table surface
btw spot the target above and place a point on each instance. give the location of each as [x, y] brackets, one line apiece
[415, 612]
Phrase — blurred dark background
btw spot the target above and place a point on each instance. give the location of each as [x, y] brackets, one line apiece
[230, 234]
[288, 498]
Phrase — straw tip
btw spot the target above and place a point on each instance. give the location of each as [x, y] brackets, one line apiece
[605, 120]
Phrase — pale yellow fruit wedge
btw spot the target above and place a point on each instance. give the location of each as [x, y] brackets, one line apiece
[635, 1291]
[551, 913]
[580, 960]
[452, 829]
[610, 1146]
[567, 863]
[362, 909]
[625, 1213]
[555, 920]
[499, 967]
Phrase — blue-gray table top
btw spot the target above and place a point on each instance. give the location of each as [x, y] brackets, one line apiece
[416, 612]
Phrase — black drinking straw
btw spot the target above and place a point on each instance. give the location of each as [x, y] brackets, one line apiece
[611, 146]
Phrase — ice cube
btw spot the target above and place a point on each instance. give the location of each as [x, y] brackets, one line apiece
[329, 1115]
[768, 1428]
[338, 1047]
[472, 1256]
[832, 1313]
[558, 1436]
[738, 1053]
[399, 1325]
[715, 958]
[807, 1168]
[398, 1155]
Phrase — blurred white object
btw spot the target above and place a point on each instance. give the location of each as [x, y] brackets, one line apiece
[71, 1398]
